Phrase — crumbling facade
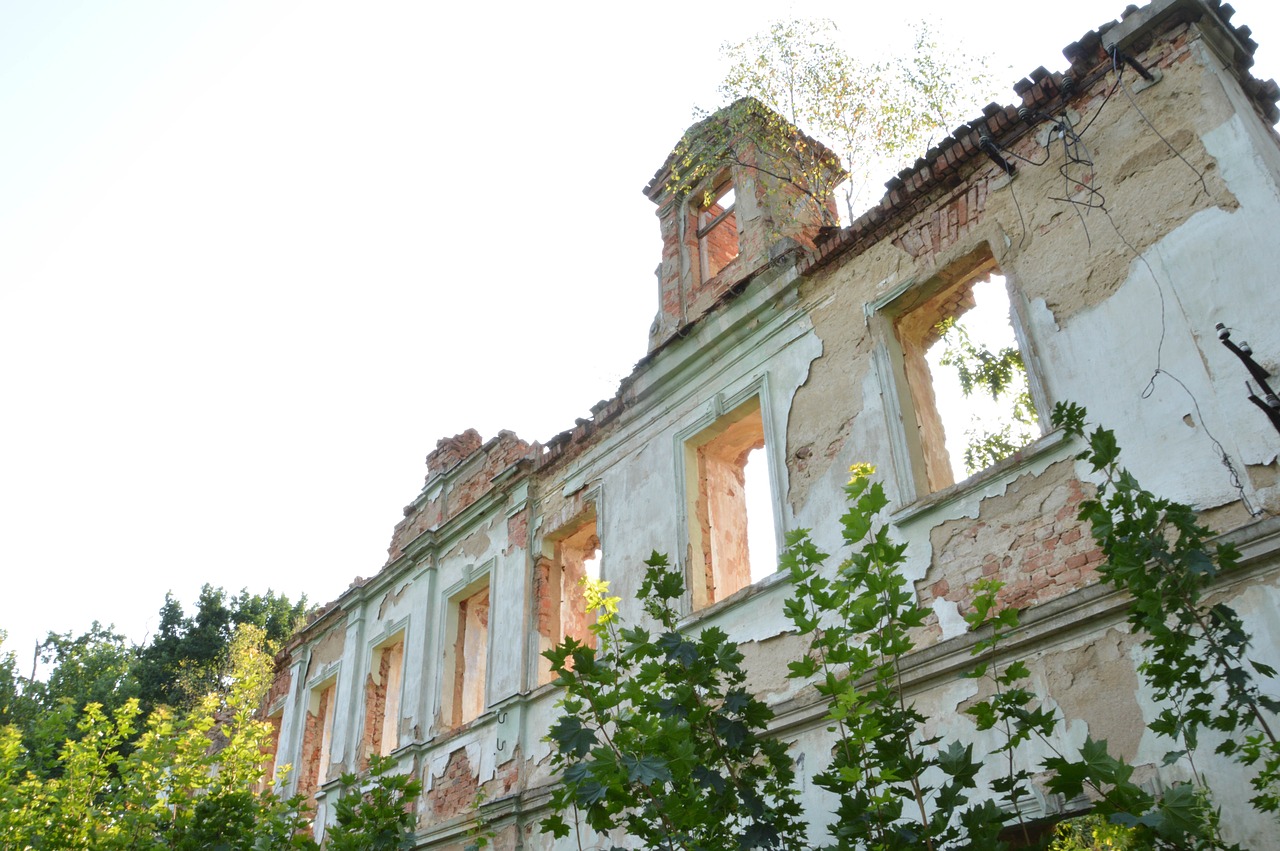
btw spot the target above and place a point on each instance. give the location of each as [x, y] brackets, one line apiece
[797, 350]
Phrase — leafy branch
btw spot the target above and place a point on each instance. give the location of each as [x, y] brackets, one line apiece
[659, 736]
[1198, 662]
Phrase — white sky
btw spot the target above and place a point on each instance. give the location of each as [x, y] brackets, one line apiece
[257, 257]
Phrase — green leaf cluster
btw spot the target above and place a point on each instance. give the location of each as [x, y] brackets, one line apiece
[188, 781]
[1001, 374]
[1198, 662]
[895, 786]
[374, 812]
[170, 782]
[188, 658]
[659, 737]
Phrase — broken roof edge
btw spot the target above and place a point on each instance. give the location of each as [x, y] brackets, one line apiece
[1090, 57]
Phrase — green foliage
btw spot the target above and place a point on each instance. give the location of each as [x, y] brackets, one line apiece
[94, 668]
[1126, 812]
[188, 782]
[373, 813]
[1010, 707]
[188, 655]
[873, 116]
[189, 658]
[1003, 375]
[1092, 833]
[659, 736]
[1198, 664]
[480, 834]
[896, 787]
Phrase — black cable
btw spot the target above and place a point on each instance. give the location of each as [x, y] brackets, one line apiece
[1076, 153]
[1159, 370]
[1022, 240]
[1114, 86]
[1115, 59]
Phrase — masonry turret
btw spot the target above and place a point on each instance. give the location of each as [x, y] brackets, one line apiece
[741, 188]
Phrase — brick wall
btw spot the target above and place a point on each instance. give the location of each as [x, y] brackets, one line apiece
[1028, 538]
[453, 792]
[499, 454]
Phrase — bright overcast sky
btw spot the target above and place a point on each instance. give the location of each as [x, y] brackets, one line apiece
[256, 258]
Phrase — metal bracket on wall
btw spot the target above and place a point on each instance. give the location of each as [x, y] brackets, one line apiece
[1269, 402]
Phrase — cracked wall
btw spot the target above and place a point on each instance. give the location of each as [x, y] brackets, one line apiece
[1101, 298]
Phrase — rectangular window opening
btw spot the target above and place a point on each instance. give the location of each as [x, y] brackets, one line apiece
[732, 534]
[967, 377]
[562, 608]
[717, 230]
[468, 656]
[317, 738]
[382, 700]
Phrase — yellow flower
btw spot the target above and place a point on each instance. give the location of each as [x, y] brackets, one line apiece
[595, 592]
[861, 470]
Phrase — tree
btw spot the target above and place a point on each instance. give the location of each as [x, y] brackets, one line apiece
[659, 736]
[188, 655]
[869, 115]
[191, 781]
[95, 667]
[189, 658]
[183, 782]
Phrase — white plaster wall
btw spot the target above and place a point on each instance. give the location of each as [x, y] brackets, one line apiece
[1218, 266]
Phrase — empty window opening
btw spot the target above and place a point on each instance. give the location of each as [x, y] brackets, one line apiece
[562, 606]
[317, 738]
[717, 230]
[469, 656]
[967, 378]
[382, 700]
[732, 538]
[762, 543]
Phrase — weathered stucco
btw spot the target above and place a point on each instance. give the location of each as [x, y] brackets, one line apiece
[1113, 303]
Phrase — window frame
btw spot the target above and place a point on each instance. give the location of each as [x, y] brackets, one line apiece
[552, 554]
[393, 634]
[716, 188]
[901, 398]
[322, 693]
[688, 440]
[451, 692]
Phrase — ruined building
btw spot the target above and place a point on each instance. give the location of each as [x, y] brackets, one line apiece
[1124, 221]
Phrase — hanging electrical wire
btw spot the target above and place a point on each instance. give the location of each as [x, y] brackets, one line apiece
[1079, 175]
[1115, 65]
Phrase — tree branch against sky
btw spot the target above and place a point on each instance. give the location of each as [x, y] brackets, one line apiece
[877, 115]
